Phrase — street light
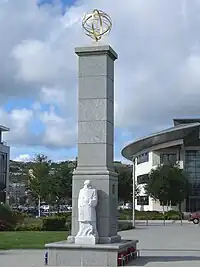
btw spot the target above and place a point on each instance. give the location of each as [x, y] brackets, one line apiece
[133, 223]
[30, 171]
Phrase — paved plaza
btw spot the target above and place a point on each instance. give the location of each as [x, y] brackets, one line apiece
[171, 245]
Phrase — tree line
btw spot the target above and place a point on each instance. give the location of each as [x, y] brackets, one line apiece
[52, 182]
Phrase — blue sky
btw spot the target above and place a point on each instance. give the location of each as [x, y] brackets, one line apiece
[156, 75]
[63, 4]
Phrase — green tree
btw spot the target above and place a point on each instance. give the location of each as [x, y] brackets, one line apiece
[39, 178]
[168, 185]
[61, 183]
[158, 186]
[179, 186]
[125, 182]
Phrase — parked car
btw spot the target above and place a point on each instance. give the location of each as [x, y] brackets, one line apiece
[195, 217]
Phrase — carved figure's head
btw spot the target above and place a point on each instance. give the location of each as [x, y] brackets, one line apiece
[87, 183]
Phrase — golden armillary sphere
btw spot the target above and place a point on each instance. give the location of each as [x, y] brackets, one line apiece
[96, 24]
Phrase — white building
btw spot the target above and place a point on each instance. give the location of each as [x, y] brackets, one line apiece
[4, 166]
[179, 144]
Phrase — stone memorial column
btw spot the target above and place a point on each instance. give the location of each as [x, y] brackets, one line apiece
[96, 138]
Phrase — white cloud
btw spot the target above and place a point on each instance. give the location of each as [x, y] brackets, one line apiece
[53, 96]
[23, 158]
[156, 73]
[60, 132]
[18, 121]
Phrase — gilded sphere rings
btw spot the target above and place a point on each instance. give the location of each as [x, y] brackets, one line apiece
[96, 24]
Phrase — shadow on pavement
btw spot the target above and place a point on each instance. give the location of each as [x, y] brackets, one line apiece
[171, 249]
[163, 225]
[137, 228]
[147, 259]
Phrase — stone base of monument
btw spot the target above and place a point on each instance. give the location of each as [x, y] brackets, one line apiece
[87, 240]
[70, 255]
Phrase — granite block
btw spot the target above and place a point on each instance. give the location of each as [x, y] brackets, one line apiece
[96, 66]
[95, 155]
[96, 49]
[103, 226]
[98, 87]
[92, 132]
[96, 110]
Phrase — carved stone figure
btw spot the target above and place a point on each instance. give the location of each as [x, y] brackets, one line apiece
[87, 202]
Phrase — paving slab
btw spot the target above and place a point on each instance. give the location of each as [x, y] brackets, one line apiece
[170, 245]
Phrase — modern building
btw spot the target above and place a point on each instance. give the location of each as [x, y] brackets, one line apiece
[4, 166]
[179, 144]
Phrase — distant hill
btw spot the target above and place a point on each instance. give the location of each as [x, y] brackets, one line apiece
[18, 170]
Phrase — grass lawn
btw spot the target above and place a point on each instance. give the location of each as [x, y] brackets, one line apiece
[29, 240]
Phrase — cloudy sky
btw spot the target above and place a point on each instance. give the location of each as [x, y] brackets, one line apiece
[157, 73]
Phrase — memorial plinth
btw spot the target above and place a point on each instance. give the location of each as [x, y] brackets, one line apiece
[71, 255]
[95, 137]
[95, 163]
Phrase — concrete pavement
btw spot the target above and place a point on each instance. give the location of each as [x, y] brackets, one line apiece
[171, 245]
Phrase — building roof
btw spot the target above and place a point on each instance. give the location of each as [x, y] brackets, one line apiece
[171, 134]
[4, 129]
[185, 121]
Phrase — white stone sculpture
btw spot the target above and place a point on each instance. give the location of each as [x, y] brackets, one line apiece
[87, 202]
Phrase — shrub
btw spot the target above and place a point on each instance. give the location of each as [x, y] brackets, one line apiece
[19, 216]
[68, 226]
[141, 217]
[28, 227]
[5, 226]
[8, 219]
[66, 215]
[175, 217]
[54, 223]
[150, 215]
[172, 214]
[123, 226]
[125, 214]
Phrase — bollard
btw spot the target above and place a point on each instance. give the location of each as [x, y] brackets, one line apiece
[46, 258]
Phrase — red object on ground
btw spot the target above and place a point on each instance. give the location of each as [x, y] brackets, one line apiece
[133, 250]
[126, 256]
[129, 254]
[120, 259]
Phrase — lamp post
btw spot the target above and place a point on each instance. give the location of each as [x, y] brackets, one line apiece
[39, 203]
[133, 223]
[8, 199]
[32, 176]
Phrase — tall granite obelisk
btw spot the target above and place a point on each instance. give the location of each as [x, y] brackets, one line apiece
[95, 161]
[96, 137]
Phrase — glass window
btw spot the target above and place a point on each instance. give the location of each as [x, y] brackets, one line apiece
[197, 169]
[142, 179]
[3, 169]
[192, 168]
[166, 158]
[143, 158]
[143, 200]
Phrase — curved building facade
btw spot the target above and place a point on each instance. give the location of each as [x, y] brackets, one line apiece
[178, 144]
